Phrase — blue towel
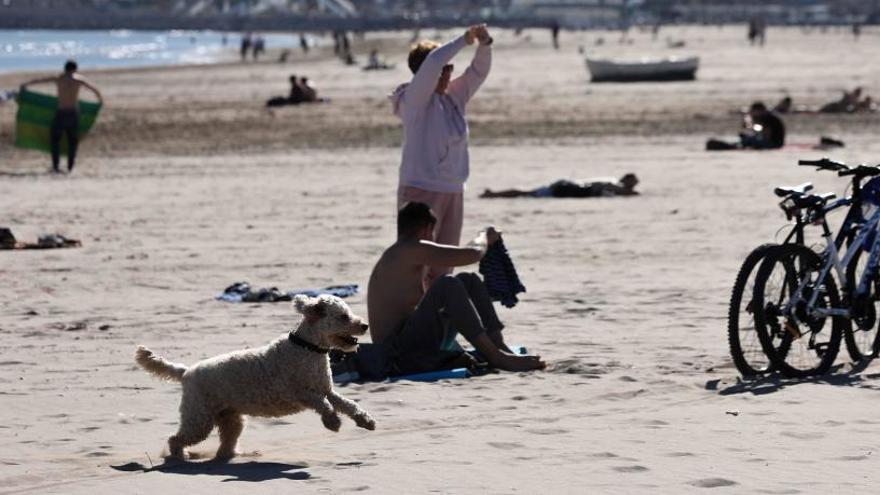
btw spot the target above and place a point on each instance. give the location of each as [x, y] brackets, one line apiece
[242, 292]
[500, 276]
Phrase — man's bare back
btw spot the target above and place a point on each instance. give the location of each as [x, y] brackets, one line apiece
[397, 283]
[68, 90]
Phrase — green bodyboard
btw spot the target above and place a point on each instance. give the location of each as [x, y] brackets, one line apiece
[33, 121]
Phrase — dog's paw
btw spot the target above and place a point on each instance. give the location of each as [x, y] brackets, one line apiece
[365, 421]
[332, 422]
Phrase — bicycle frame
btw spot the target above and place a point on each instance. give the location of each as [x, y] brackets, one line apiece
[832, 260]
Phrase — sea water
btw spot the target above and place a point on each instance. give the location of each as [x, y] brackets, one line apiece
[32, 49]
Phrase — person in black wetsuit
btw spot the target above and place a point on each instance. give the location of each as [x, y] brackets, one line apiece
[765, 129]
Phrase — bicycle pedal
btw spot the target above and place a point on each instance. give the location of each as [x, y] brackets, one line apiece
[792, 330]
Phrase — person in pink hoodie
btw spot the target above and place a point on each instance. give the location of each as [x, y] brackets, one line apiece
[434, 164]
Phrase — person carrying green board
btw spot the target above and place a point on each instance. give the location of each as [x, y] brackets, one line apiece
[66, 121]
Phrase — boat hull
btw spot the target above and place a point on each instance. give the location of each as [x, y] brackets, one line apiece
[663, 70]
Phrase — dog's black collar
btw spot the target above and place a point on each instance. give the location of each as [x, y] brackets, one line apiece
[296, 340]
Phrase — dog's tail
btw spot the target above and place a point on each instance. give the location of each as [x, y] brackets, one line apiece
[159, 366]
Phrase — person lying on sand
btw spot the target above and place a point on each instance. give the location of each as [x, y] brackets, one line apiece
[568, 189]
[413, 322]
[850, 102]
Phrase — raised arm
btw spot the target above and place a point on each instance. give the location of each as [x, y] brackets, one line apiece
[424, 82]
[40, 80]
[92, 88]
[463, 87]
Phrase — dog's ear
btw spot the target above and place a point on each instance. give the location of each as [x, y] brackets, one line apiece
[313, 309]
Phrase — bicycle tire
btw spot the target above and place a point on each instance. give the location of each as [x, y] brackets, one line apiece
[862, 334]
[803, 356]
[750, 360]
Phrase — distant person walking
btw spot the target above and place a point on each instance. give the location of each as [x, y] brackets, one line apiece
[435, 163]
[245, 45]
[66, 121]
[259, 46]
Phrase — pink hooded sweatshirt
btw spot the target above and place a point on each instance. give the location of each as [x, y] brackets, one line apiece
[435, 133]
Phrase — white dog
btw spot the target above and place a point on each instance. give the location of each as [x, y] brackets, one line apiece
[288, 375]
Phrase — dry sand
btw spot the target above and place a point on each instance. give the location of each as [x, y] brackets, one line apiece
[188, 185]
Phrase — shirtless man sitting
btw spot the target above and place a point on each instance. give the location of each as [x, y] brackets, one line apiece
[66, 119]
[413, 322]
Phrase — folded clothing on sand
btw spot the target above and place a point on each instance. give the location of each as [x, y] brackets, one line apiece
[500, 276]
[46, 241]
[242, 292]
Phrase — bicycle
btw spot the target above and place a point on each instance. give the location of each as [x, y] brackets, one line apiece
[795, 292]
[746, 349]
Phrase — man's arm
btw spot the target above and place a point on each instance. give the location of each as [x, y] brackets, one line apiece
[91, 87]
[463, 87]
[40, 80]
[433, 254]
[424, 82]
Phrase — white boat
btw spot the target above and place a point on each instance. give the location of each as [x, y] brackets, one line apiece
[667, 69]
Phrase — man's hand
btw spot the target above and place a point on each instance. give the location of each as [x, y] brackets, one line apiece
[482, 34]
[473, 33]
[492, 235]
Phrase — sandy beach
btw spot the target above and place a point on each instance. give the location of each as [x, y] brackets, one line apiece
[188, 184]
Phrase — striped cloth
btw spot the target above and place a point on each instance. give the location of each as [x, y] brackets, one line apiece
[36, 111]
[500, 276]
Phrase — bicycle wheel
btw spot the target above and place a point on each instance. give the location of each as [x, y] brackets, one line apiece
[810, 342]
[745, 346]
[862, 335]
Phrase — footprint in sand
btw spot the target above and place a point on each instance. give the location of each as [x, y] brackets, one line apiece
[630, 469]
[713, 483]
[506, 445]
[547, 431]
[852, 458]
[804, 435]
[680, 454]
[604, 455]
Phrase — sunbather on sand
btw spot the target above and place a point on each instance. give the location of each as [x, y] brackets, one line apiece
[764, 129]
[568, 189]
[412, 322]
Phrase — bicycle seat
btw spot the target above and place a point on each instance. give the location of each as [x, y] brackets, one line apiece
[801, 189]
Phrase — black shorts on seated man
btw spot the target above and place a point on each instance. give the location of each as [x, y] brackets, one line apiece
[416, 325]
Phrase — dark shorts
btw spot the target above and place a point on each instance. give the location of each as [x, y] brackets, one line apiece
[569, 189]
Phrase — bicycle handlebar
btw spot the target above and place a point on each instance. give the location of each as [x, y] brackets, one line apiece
[861, 171]
[824, 163]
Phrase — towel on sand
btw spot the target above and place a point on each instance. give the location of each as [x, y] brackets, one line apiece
[500, 276]
[370, 363]
[242, 292]
[33, 121]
